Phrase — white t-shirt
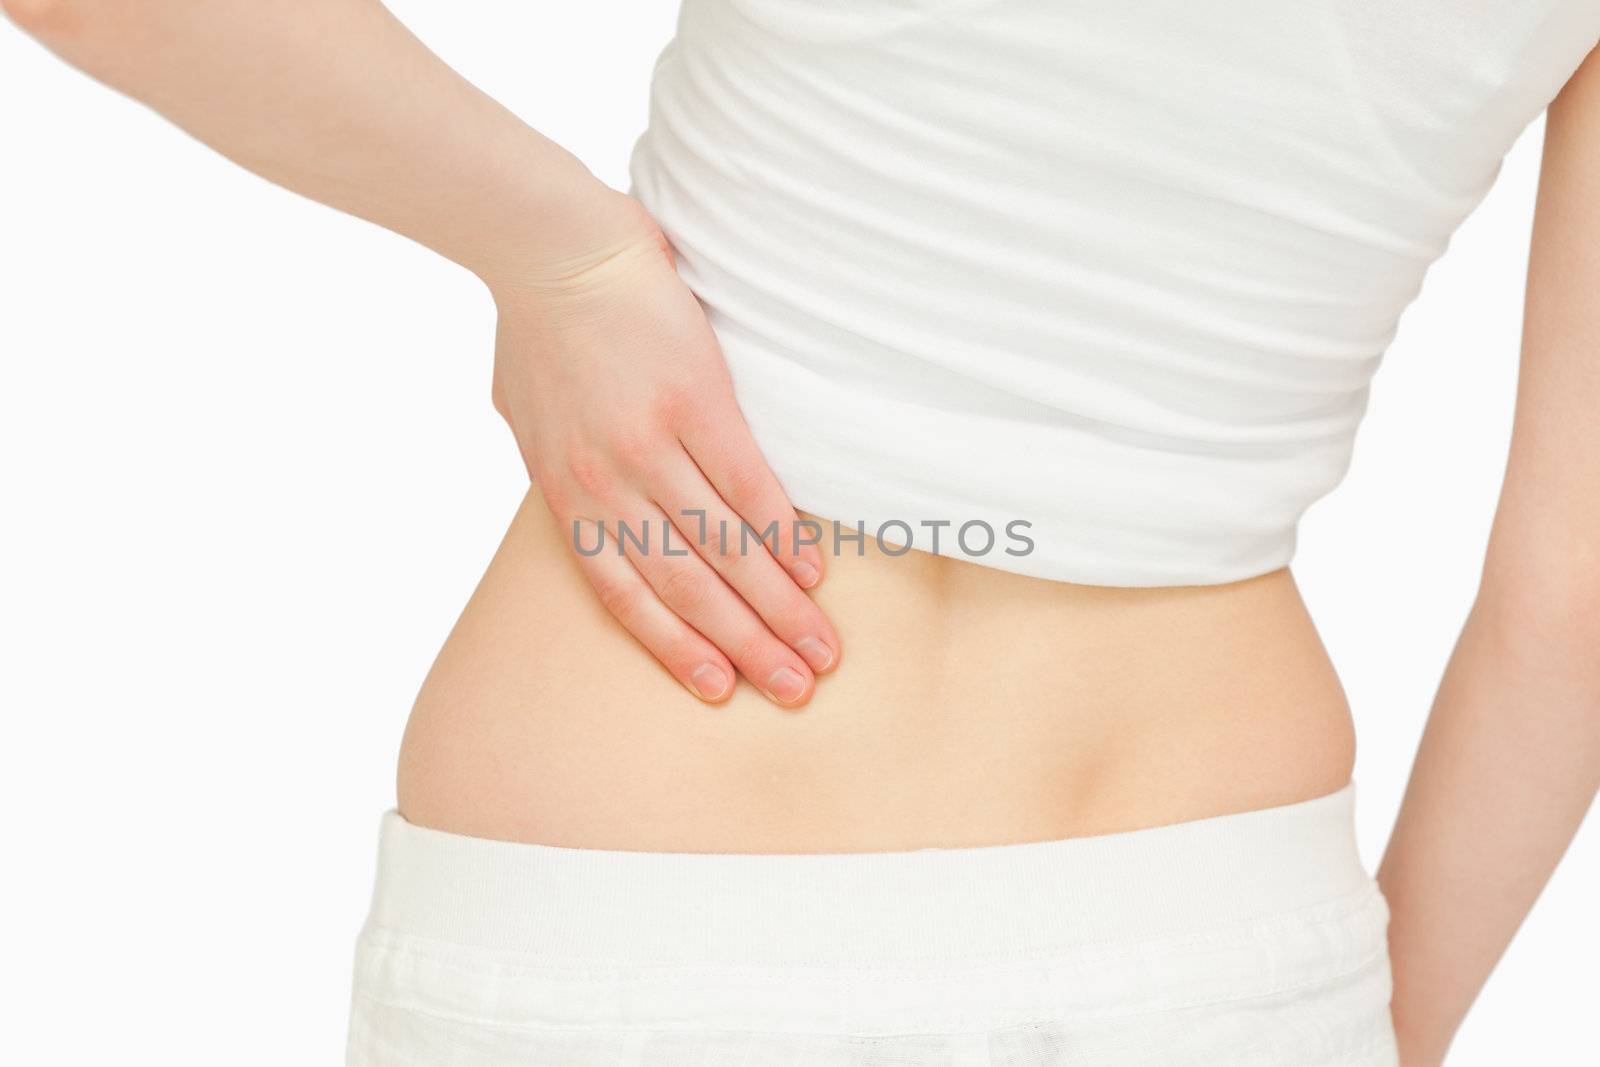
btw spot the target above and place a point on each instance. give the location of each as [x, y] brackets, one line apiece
[1118, 270]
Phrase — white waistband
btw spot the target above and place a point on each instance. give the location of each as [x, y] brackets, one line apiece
[991, 903]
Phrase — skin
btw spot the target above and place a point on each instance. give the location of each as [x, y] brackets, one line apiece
[1510, 759]
[974, 706]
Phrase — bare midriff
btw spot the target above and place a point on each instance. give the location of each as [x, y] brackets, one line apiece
[970, 706]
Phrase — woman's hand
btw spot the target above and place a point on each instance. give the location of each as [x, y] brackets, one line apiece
[613, 383]
[607, 370]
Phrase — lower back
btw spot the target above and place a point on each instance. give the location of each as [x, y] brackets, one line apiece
[970, 707]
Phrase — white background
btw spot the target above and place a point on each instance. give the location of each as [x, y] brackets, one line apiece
[250, 475]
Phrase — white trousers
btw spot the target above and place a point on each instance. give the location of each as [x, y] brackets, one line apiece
[1249, 940]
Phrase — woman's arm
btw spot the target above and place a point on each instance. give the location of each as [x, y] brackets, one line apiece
[605, 366]
[1510, 760]
[336, 100]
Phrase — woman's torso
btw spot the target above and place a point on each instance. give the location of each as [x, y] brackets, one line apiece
[971, 706]
[1123, 272]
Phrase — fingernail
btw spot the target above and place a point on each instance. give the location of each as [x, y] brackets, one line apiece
[786, 686]
[805, 575]
[819, 655]
[709, 680]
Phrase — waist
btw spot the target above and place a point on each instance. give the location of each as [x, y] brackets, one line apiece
[971, 706]
[1251, 938]
[972, 905]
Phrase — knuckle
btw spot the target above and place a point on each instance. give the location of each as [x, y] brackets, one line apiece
[619, 598]
[633, 444]
[725, 548]
[747, 477]
[794, 616]
[751, 649]
[685, 590]
[675, 404]
[682, 655]
[591, 473]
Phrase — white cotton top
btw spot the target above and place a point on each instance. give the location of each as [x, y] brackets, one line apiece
[1121, 270]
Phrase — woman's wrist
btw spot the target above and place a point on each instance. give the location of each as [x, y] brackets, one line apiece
[581, 225]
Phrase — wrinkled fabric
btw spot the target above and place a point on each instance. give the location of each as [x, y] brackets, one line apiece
[1120, 272]
[1245, 940]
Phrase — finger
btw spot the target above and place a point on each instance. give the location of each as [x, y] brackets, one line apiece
[695, 593]
[720, 443]
[743, 561]
[685, 653]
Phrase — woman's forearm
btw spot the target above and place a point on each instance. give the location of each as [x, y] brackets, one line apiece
[337, 100]
[1508, 766]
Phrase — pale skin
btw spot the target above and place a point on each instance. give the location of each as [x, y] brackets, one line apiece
[545, 720]
[1510, 760]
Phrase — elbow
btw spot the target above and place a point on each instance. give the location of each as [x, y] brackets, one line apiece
[1556, 613]
[36, 16]
[57, 19]
[94, 35]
